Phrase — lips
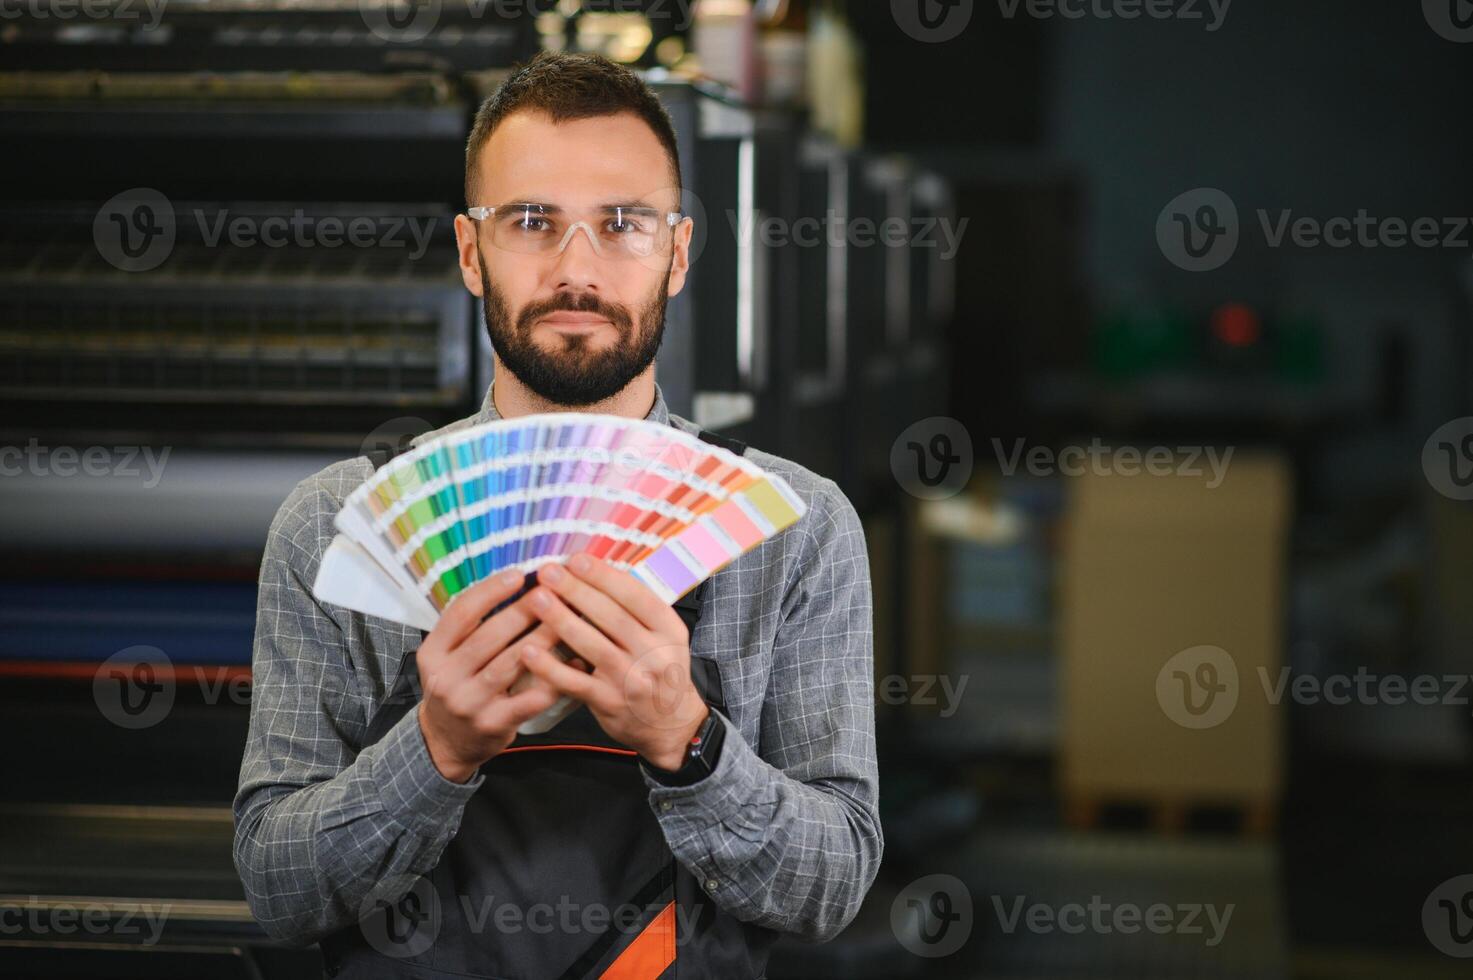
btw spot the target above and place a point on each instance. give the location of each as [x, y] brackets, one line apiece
[574, 321]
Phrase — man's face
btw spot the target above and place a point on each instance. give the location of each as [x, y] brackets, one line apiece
[574, 327]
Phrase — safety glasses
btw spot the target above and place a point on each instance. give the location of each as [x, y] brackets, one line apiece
[617, 233]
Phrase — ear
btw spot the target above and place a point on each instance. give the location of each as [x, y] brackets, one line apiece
[467, 246]
[680, 263]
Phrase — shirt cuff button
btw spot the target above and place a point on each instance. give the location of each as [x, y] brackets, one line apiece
[712, 884]
[666, 805]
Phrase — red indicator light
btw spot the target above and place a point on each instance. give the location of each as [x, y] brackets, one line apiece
[1237, 325]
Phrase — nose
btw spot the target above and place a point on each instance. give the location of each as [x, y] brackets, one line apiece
[578, 265]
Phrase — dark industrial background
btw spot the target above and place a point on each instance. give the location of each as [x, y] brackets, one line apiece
[1233, 703]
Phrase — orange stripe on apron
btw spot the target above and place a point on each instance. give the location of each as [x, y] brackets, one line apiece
[652, 951]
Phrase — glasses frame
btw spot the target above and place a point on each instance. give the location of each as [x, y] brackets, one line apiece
[481, 213]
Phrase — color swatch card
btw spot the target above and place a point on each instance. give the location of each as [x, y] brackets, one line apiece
[664, 505]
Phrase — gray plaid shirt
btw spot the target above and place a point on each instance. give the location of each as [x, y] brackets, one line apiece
[785, 833]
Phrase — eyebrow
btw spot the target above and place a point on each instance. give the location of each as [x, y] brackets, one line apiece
[545, 208]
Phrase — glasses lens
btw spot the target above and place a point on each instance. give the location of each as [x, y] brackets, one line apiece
[531, 228]
[631, 231]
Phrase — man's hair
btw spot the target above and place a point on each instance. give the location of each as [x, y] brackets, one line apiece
[567, 87]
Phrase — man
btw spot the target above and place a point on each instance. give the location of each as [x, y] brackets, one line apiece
[718, 785]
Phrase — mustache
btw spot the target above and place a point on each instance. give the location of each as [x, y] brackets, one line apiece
[575, 303]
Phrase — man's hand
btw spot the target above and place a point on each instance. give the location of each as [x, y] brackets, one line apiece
[640, 689]
[468, 714]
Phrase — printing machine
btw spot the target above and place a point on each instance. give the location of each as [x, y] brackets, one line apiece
[931, 293]
[359, 36]
[251, 366]
[898, 314]
[254, 367]
[813, 311]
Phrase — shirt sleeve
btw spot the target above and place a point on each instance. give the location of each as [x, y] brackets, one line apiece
[790, 838]
[319, 819]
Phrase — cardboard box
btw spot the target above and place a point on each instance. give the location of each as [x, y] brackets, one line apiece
[1172, 614]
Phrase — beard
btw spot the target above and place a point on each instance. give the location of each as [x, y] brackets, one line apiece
[577, 373]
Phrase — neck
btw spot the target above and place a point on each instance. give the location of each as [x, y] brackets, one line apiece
[514, 399]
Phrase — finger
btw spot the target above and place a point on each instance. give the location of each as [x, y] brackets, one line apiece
[612, 619]
[467, 608]
[494, 635]
[559, 650]
[581, 636]
[527, 677]
[653, 613]
[588, 688]
[503, 671]
[500, 673]
[508, 713]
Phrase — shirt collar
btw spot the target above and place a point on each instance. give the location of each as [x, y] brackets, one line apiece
[659, 412]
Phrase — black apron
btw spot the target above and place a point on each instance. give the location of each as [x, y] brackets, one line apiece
[559, 870]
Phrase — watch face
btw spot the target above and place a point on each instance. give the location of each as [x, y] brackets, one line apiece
[707, 727]
[697, 760]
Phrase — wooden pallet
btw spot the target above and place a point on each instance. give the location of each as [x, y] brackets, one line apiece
[1250, 818]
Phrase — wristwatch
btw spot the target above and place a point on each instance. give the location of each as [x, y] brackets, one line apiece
[702, 754]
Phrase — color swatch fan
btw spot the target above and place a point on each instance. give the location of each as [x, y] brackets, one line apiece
[667, 506]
